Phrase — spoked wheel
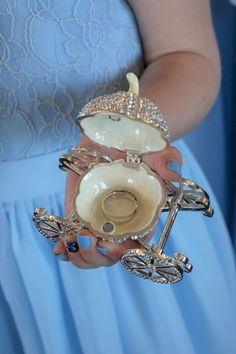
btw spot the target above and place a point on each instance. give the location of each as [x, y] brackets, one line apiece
[53, 227]
[152, 266]
[194, 197]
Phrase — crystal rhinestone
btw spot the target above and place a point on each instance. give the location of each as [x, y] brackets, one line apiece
[129, 104]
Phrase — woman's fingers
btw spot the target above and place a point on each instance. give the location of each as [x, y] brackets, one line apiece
[90, 252]
[167, 163]
[87, 251]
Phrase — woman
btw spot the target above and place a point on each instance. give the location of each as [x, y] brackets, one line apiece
[55, 58]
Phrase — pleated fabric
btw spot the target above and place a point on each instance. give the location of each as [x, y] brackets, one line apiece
[51, 307]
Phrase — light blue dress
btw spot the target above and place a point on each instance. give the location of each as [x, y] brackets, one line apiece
[56, 56]
[217, 151]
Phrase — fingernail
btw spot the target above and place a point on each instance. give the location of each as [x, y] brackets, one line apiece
[174, 166]
[84, 241]
[103, 251]
[61, 256]
[72, 247]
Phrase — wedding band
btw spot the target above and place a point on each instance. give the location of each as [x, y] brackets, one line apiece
[119, 206]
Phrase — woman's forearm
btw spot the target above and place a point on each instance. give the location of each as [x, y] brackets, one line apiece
[184, 85]
[183, 67]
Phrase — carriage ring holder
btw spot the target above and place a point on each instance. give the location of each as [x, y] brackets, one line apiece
[122, 199]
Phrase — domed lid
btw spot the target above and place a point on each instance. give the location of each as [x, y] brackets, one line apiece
[125, 121]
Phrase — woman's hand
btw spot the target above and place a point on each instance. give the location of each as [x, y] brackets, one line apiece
[88, 251]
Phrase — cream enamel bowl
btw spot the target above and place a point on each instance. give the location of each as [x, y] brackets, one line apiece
[117, 201]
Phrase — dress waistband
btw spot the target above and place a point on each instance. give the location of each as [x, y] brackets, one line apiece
[31, 178]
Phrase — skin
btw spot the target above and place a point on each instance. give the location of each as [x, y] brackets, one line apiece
[181, 76]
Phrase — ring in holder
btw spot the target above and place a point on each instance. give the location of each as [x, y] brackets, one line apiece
[122, 199]
[120, 206]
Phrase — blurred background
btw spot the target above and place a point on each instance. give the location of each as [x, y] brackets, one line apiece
[213, 142]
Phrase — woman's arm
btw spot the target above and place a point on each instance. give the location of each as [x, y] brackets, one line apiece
[182, 74]
[182, 77]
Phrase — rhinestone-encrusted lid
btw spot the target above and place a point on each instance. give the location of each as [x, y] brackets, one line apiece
[129, 105]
